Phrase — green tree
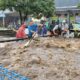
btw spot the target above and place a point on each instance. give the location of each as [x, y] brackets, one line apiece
[27, 7]
[44, 6]
[79, 5]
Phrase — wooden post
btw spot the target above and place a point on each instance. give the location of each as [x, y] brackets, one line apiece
[3, 21]
[68, 17]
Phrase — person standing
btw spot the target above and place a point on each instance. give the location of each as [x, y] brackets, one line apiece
[65, 29]
[20, 33]
[32, 28]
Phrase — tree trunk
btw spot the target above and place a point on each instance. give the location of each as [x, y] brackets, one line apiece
[20, 14]
[26, 16]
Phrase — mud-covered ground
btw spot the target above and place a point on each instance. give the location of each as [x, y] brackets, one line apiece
[44, 59]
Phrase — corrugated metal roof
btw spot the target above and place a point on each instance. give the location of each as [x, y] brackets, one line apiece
[63, 3]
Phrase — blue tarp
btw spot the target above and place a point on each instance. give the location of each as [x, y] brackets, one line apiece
[6, 74]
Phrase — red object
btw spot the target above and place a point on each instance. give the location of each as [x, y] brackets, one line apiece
[20, 33]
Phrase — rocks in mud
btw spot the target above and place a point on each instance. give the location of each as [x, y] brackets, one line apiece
[48, 45]
[3, 45]
[16, 59]
[32, 74]
[35, 59]
[14, 67]
[5, 62]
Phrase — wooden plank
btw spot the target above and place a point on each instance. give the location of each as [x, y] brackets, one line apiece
[11, 40]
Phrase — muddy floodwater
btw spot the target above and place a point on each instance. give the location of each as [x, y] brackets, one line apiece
[44, 59]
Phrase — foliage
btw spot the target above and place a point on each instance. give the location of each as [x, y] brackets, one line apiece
[79, 5]
[28, 7]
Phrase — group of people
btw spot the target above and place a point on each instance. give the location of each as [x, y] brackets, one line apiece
[42, 27]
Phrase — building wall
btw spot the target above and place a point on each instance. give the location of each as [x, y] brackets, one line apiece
[63, 6]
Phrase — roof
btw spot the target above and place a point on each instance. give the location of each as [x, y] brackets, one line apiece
[62, 5]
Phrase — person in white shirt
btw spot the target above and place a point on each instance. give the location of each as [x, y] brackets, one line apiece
[26, 31]
[65, 29]
[57, 29]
